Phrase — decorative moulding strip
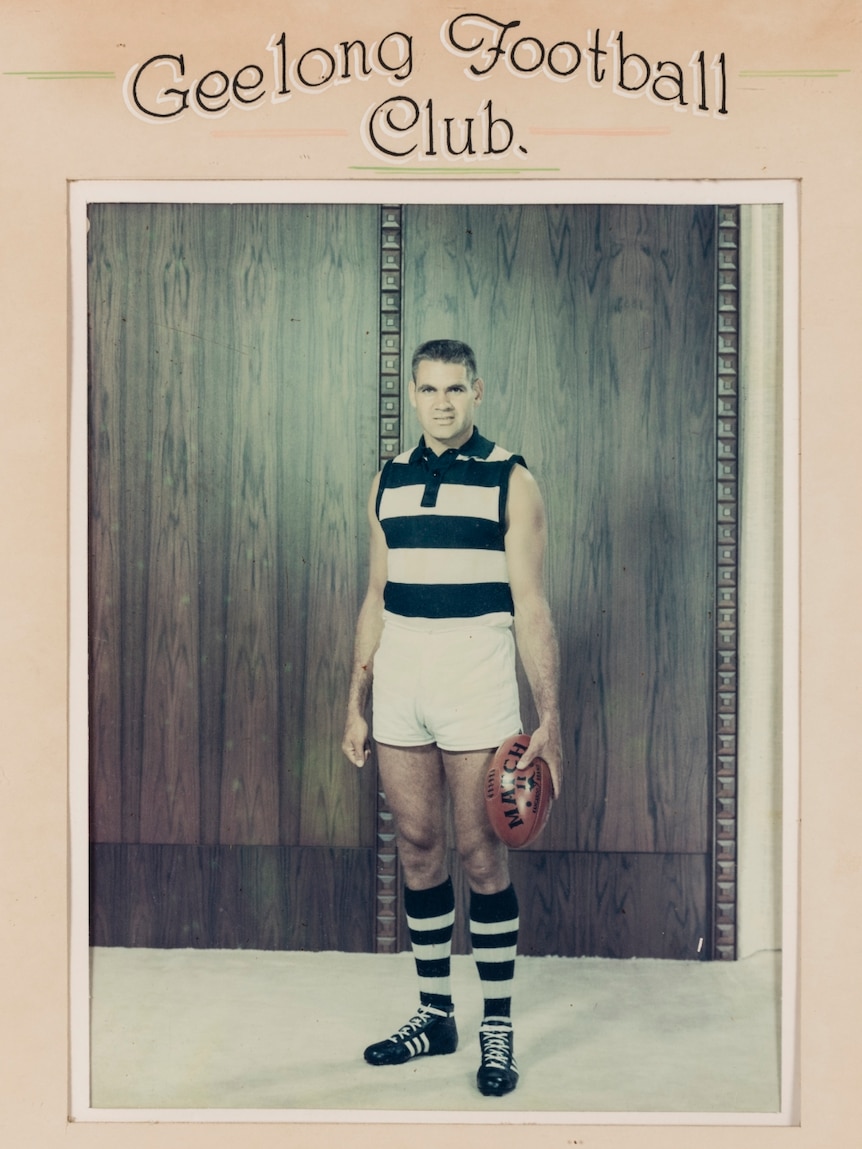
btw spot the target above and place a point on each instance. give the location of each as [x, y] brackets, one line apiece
[724, 941]
[391, 250]
[387, 900]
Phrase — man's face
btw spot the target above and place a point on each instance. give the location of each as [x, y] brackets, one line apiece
[445, 403]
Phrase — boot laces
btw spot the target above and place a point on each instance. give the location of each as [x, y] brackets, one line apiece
[424, 1015]
[496, 1044]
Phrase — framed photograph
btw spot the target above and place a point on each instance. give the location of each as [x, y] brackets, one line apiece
[226, 235]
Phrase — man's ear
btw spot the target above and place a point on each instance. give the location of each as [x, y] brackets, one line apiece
[411, 392]
[478, 389]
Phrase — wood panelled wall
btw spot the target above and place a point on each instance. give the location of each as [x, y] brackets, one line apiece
[594, 327]
[234, 419]
[230, 453]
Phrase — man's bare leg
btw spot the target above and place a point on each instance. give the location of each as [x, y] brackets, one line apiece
[414, 782]
[484, 857]
[493, 916]
[415, 786]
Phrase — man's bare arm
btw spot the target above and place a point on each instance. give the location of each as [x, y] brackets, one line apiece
[526, 542]
[355, 743]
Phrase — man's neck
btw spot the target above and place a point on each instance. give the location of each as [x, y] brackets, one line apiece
[439, 447]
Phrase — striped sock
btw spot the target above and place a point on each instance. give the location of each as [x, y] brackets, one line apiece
[494, 938]
[430, 918]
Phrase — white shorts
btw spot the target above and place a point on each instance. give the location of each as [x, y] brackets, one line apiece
[456, 687]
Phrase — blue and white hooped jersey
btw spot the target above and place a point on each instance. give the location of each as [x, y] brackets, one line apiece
[444, 519]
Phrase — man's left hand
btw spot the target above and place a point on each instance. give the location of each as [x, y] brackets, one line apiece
[545, 743]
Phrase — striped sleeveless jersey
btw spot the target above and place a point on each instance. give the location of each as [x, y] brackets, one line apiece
[444, 522]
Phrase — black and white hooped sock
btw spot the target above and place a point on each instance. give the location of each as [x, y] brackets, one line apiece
[494, 938]
[430, 920]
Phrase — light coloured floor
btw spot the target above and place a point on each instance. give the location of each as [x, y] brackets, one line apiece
[227, 1029]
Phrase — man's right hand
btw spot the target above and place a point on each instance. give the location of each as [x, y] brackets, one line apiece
[355, 744]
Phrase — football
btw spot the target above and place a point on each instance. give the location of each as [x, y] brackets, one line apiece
[518, 801]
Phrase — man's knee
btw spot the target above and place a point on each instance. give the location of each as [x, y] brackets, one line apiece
[422, 853]
[485, 864]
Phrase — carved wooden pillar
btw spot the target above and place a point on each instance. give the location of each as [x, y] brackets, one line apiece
[387, 898]
[727, 583]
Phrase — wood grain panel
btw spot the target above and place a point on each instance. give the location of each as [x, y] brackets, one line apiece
[238, 517]
[251, 906]
[241, 302]
[168, 893]
[234, 434]
[656, 480]
[118, 362]
[110, 903]
[269, 898]
[105, 510]
[615, 905]
[250, 897]
[235, 392]
[171, 727]
[594, 330]
[329, 418]
[575, 904]
[135, 265]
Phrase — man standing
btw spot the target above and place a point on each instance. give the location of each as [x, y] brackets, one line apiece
[457, 547]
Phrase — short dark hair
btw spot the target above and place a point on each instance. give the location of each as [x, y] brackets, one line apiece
[446, 351]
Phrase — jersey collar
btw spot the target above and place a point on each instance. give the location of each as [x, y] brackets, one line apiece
[476, 447]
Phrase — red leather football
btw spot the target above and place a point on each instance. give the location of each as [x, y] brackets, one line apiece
[518, 801]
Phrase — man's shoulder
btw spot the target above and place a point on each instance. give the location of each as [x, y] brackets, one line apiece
[486, 451]
[403, 457]
[499, 454]
[508, 461]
